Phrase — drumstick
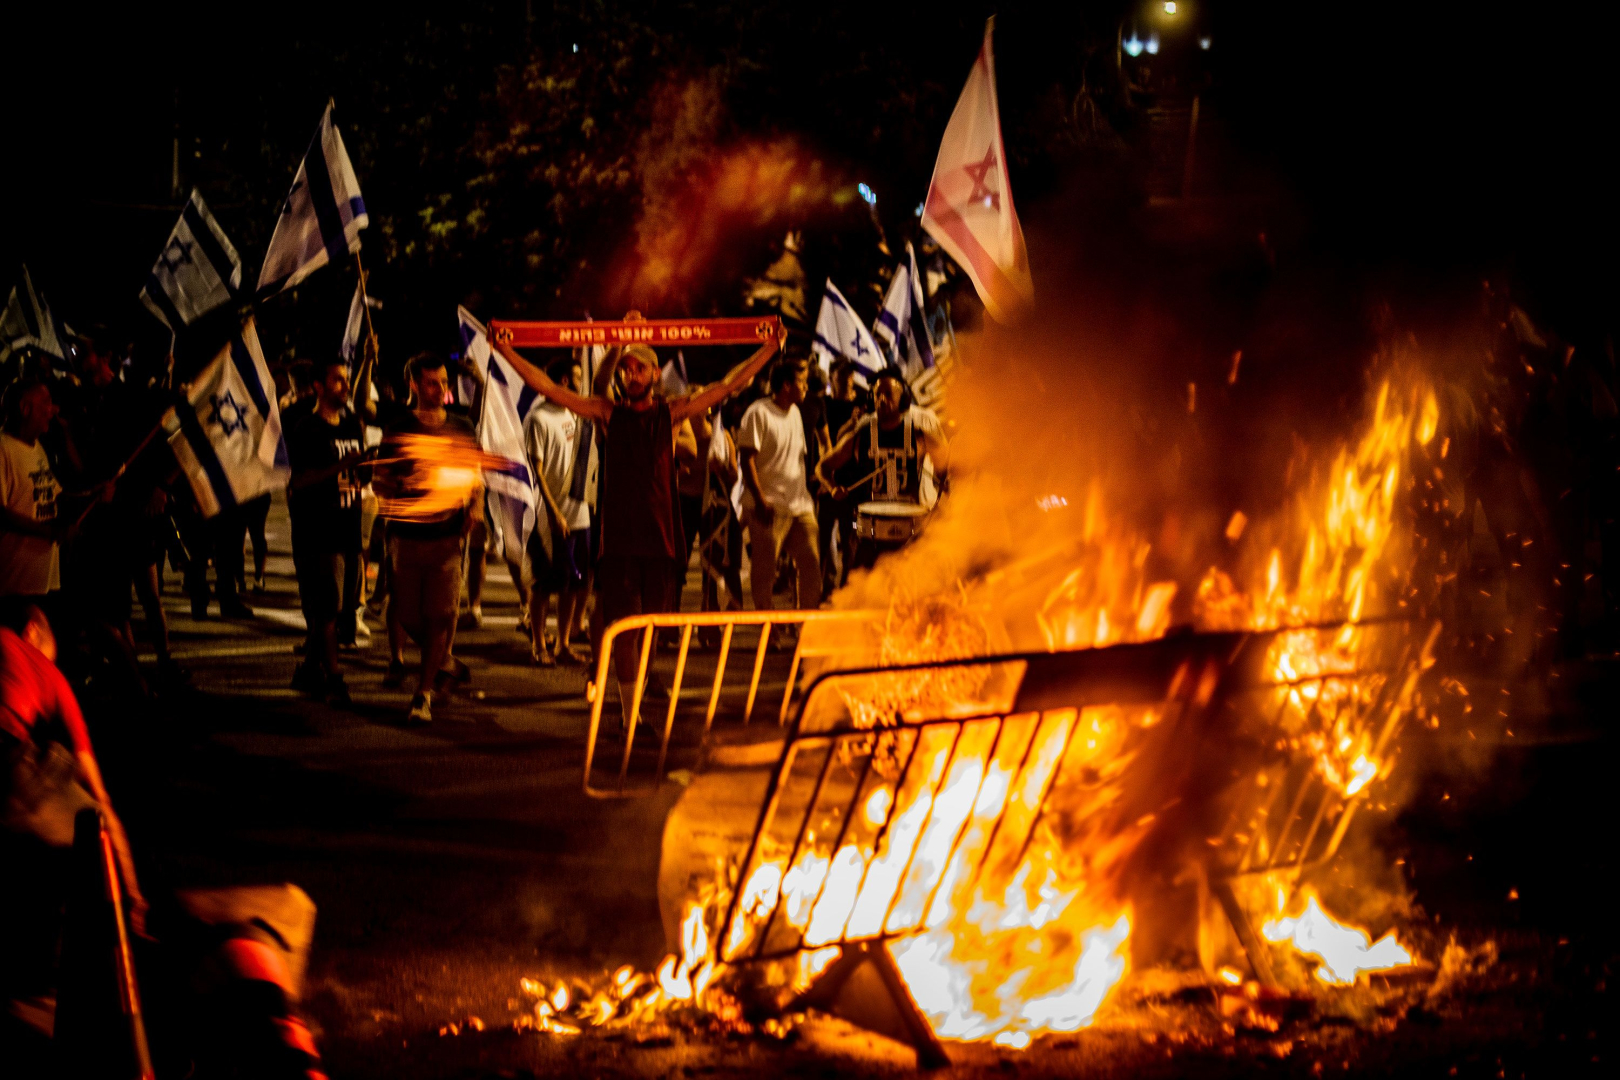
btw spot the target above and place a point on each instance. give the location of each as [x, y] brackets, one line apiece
[857, 483]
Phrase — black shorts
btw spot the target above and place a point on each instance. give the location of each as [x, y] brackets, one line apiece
[634, 585]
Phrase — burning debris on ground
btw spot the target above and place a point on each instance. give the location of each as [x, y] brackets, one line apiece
[1169, 628]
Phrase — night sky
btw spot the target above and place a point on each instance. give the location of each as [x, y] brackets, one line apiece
[1411, 150]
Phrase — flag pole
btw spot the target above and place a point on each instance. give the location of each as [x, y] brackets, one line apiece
[363, 380]
[140, 448]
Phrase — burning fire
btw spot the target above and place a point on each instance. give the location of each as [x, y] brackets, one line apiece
[1344, 952]
[1039, 945]
[993, 864]
[430, 477]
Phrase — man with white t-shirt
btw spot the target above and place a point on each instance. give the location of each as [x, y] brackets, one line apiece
[30, 529]
[777, 506]
[560, 549]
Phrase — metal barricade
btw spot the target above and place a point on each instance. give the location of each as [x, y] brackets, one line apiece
[865, 831]
[814, 655]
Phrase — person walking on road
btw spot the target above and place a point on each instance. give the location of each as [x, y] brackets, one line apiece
[324, 499]
[426, 539]
[776, 499]
[560, 549]
[641, 530]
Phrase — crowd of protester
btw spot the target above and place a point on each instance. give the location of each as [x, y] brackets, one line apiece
[632, 480]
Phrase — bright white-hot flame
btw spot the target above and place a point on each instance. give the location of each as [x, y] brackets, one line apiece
[877, 805]
[1345, 952]
[1363, 771]
[943, 988]
[989, 857]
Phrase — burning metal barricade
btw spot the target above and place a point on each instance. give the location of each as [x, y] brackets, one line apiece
[806, 656]
[985, 857]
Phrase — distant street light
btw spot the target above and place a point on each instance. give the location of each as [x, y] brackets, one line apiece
[1169, 7]
[867, 193]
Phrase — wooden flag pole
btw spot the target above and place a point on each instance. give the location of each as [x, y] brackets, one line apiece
[363, 380]
[365, 303]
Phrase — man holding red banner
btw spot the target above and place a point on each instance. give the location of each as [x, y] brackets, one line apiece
[641, 530]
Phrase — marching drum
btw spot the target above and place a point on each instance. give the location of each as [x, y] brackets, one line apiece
[890, 524]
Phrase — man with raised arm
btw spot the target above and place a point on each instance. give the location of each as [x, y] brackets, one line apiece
[641, 529]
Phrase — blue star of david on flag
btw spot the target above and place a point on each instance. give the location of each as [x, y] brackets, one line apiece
[841, 333]
[227, 413]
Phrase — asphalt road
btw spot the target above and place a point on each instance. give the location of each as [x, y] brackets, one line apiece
[446, 861]
[449, 861]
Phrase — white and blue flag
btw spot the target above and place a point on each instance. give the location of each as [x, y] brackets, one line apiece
[321, 220]
[840, 333]
[27, 323]
[354, 331]
[901, 325]
[227, 433]
[506, 402]
[197, 271]
[673, 378]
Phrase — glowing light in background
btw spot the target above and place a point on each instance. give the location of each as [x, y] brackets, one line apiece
[1153, 44]
[867, 194]
[1133, 45]
[1205, 42]
[1169, 7]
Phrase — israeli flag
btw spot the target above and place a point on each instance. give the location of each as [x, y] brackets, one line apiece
[197, 271]
[226, 434]
[901, 324]
[354, 331]
[673, 377]
[27, 323]
[321, 220]
[840, 332]
[506, 402]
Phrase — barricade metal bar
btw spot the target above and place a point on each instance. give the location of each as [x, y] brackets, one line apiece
[798, 840]
[793, 677]
[635, 703]
[922, 830]
[843, 826]
[674, 698]
[1375, 704]
[1012, 789]
[1046, 789]
[719, 676]
[880, 836]
[759, 666]
[967, 817]
[688, 622]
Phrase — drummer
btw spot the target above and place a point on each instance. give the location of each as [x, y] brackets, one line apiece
[887, 447]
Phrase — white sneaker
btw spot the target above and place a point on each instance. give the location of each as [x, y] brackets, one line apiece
[421, 709]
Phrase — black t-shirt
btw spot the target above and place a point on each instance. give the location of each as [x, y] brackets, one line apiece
[839, 413]
[813, 415]
[396, 470]
[326, 514]
[296, 412]
[640, 516]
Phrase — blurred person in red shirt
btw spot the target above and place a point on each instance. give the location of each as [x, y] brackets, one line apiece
[48, 773]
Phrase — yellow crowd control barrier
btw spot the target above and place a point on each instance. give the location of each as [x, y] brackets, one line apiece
[824, 651]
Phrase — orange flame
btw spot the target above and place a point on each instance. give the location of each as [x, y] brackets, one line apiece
[1345, 953]
[430, 477]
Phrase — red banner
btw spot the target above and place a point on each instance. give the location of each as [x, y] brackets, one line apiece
[656, 332]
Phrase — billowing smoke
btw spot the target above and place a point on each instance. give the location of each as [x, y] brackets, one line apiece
[706, 197]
